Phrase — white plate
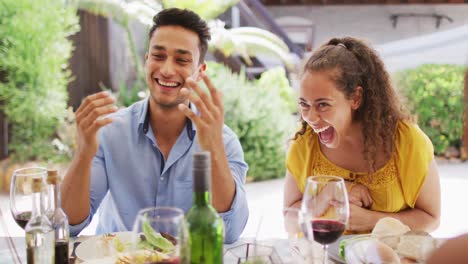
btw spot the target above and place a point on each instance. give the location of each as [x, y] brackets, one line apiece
[334, 249]
[96, 247]
[106, 260]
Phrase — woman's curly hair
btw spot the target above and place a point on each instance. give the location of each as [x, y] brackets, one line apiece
[351, 63]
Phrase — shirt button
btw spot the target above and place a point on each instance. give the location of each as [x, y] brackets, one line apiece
[162, 178]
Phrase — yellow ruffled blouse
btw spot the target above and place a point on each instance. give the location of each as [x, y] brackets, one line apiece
[394, 187]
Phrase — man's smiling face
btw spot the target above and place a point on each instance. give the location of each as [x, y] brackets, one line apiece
[173, 56]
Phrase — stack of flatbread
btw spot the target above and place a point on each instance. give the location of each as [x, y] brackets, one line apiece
[390, 242]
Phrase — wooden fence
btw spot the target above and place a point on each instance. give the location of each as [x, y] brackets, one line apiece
[90, 60]
[464, 154]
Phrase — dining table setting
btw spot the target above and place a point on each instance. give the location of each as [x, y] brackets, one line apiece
[315, 232]
[89, 249]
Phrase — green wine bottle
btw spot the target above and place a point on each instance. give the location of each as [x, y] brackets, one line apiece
[205, 226]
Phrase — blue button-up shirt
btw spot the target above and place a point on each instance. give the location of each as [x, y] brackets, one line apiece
[129, 173]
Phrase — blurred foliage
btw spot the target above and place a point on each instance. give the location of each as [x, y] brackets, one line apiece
[276, 80]
[259, 116]
[206, 9]
[249, 42]
[34, 52]
[126, 96]
[435, 95]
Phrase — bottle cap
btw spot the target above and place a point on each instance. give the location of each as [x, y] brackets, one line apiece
[201, 171]
[201, 160]
[52, 177]
[37, 184]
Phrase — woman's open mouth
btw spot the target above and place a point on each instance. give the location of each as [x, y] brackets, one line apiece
[326, 134]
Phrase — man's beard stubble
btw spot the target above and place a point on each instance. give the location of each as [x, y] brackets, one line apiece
[169, 105]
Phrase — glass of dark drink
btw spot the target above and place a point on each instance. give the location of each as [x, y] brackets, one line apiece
[326, 208]
[21, 193]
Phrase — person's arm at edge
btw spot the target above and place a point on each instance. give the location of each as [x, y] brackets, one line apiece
[75, 196]
[223, 184]
[75, 188]
[210, 125]
[292, 197]
[235, 218]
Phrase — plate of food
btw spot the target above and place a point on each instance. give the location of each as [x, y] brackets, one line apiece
[390, 242]
[105, 246]
[148, 246]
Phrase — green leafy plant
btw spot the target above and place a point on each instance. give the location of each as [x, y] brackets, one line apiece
[435, 95]
[276, 80]
[260, 118]
[34, 53]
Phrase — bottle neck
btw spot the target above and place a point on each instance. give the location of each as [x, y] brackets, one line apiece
[36, 204]
[201, 178]
[201, 198]
[54, 196]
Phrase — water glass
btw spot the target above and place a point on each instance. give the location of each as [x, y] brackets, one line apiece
[160, 235]
[299, 239]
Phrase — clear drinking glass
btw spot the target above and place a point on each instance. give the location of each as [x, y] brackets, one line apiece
[160, 236]
[299, 240]
[21, 193]
[326, 208]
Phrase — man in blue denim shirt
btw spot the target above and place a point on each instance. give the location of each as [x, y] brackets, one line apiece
[141, 156]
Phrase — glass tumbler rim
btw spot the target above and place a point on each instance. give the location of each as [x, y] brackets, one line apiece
[176, 213]
[29, 171]
[333, 178]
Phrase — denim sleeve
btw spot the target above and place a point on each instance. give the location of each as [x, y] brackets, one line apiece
[236, 218]
[98, 189]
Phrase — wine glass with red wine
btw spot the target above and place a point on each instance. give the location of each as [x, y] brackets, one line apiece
[325, 206]
[21, 193]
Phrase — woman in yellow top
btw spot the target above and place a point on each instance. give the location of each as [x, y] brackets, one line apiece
[353, 126]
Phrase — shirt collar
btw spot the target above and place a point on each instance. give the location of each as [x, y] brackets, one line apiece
[145, 118]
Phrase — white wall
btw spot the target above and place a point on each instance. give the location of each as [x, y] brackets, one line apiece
[373, 21]
[414, 41]
[447, 47]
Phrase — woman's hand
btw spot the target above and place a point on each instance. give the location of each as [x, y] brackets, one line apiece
[359, 195]
[360, 219]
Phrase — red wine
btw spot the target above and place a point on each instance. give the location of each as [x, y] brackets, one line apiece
[327, 231]
[61, 252]
[22, 218]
